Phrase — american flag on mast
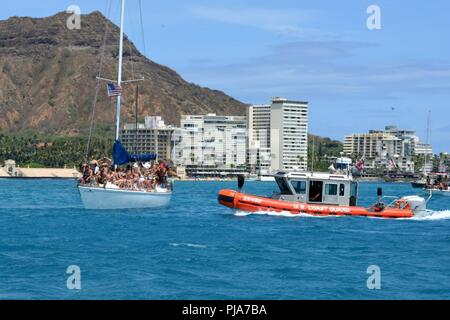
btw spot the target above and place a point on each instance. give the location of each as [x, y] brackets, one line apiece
[392, 163]
[114, 90]
[360, 164]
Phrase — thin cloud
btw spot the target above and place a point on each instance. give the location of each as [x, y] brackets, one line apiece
[286, 22]
[326, 68]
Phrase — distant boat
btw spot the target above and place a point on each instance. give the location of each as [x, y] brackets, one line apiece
[438, 184]
[112, 197]
[266, 178]
[420, 183]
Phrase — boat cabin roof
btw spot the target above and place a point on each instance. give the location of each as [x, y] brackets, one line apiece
[313, 176]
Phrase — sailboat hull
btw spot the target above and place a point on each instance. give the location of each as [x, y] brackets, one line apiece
[418, 184]
[103, 199]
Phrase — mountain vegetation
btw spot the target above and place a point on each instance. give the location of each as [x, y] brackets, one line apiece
[40, 151]
[325, 150]
[48, 76]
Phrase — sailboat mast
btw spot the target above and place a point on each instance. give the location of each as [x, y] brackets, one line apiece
[119, 68]
[427, 141]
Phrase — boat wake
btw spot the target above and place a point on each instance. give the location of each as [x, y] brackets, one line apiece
[428, 215]
[431, 215]
[286, 214]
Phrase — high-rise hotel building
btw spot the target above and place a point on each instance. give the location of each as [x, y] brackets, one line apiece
[383, 148]
[258, 142]
[211, 145]
[282, 128]
[289, 134]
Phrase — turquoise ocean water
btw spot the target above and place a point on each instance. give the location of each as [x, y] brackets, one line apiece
[197, 249]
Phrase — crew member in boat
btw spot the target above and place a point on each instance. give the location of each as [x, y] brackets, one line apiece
[438, 183]
[86, 174]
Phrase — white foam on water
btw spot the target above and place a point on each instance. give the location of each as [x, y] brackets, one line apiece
[192, 245]
[431, 215]
[287, 214]
[428, 215]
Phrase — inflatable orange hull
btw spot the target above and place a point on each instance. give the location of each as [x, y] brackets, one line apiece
[251, 203]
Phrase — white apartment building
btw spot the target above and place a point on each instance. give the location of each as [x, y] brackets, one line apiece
[154, 122]
[258, 142]
[386, 148]
[211, 145]
[288, 134]
[278, 136]
[152, 136]
[444, 163]
[371, 145]
[424, 149]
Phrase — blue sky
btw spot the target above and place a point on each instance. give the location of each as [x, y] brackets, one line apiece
[355, 79]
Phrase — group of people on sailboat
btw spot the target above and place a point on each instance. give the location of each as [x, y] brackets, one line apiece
[441, 183]
[149, 176]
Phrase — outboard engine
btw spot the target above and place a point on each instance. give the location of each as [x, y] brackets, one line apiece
[417, 204]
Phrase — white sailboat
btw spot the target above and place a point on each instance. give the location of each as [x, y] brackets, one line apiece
[95, 197]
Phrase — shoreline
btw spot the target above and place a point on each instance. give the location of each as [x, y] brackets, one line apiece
[182, 180]
[15, 172]
[37, 178]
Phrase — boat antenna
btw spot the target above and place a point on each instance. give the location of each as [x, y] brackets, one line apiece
[142, 28]
[136, 119]
[119, 68]
[429, 197]
[427, 141]
[312, 159]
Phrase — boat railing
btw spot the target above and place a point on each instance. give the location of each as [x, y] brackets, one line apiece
[381, 205]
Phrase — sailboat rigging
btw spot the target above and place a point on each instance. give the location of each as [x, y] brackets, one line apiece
[141, 185]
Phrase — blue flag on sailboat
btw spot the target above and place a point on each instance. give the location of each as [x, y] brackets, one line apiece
[121, 155]
[114, 90]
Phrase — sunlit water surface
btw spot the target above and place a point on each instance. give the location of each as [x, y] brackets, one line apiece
[197, 249]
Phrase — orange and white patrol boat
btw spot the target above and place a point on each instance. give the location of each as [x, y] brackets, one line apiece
[320, 194]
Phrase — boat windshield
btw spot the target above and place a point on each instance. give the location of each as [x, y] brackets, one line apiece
[299, 186]
[284, 187]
